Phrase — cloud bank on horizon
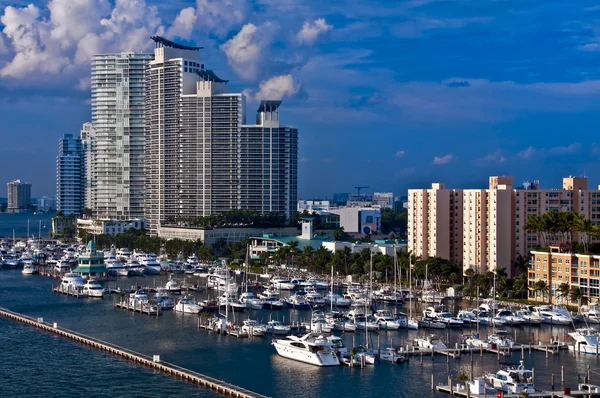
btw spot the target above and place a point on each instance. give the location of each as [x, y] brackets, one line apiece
[479, 87]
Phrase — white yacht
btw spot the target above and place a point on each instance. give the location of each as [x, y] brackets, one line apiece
[591, 313]
[386, 321]
[507, 317]
[430, 342]
[71, 282]
[529, 317]
[391, 355]
[277, 328]
[173, 286]
[473, 340]
[187, 304]
[29, 269]
[62, 266]
[337, 300]
[586, 341]
[467, 317]
[150, 263]
[253, 328]
[551, 317]
[448, 319]
[430, 323]
[93, 289]
[500, 339]
[251, 301]
[311, 349]
[282, 284]
[163, 300]
[513, 380]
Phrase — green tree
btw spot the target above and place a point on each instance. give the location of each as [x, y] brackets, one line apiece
[563, 291]
[542, 288]
[577, 295]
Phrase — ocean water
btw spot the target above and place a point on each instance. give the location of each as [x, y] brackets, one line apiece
[18, 223]
[250, 363]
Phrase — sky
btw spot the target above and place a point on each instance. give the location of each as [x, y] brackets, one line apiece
[387, 94]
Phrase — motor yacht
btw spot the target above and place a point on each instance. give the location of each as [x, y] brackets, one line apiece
[273, 303]
[473, 340]
[591, 313]
[282, 284]
[448, 319]
[251, 301]
[508, 318]
[253, 328]
[93, 289]
[232, 302]
[467, 317]
[315, 299]
[134, 267]
[551, 317]
[71, 282]
[163, 299]
[29, 269]
[187, 304]
[297, 302]
[430, 342]
[62, 266]
[338, 345]
[516, 380]
[311, 349]
[337, 300]
[431, 323]
[386, 321]
[529, 318]
[173, 286]
[391, 355]
[150, 264]
[500, 339]
[277, 328]
[586, 341]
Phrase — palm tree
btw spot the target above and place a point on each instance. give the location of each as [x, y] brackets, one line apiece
[586, 228]
[520, 285]
[577, 295]
[563, 291]
[541, 287]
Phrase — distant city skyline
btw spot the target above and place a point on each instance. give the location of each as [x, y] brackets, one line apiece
[393, 96]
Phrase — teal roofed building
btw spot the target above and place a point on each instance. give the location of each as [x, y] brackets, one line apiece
[91, 263]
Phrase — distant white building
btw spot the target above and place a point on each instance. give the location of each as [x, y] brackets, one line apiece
[386, 247]
[19, 196]
[385, 200]
[108, 227]
[313, 205]
[46, 204]
[363, 220]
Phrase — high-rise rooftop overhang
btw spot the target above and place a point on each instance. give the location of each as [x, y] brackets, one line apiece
[209, 75]
[268, 106]
[162, 42]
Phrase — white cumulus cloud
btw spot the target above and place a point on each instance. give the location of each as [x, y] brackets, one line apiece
[215, 16]
[184, 23]
[247, 50]
[311, 30]
[400, 153]
[443, 159]
[278, 87]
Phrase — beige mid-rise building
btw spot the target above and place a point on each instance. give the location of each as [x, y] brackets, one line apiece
[490, 231]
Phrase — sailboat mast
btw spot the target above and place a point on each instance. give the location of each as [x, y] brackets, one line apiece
[409, 285]
[395, 269]
[331, 294]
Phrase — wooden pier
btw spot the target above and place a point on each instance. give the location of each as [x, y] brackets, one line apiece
[155, 362]
[148, 309]
[70, 292]
[454, 390]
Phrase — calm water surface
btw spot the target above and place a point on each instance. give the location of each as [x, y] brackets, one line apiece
[18, 223]
[250, 363]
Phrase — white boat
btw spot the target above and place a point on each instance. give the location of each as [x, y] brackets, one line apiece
[29, 269]
[173, 286]
[586, 341]
[386, 321]
[431, 323]
[282, 284]
[430, 342]
[467, 317]
[253, 328]
[251, 301]
[277, 328]
[448, 319]
[500, 339]
[507, 317]
[71, 282]
[412, 324]
[391, 355]
[529, 318]
[93, 289]
[591, 313]
[551, 317]
[337, 300]
[513, 380]
[338, 345]
[163, 300]
[62, 266]
[473, 340]
[314, 350]
[188, 305]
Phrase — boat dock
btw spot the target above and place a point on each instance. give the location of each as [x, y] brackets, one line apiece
[70, 292]
[154, 362]
[461, 391]
[143, 309]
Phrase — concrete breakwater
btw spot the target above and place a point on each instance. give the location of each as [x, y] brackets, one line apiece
[155, 362]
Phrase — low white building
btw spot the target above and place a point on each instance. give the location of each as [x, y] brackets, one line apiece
[363, 220]
[386, 247]
[211, 236]
[108, 227]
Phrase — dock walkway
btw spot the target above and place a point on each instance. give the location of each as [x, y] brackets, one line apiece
[190, 376]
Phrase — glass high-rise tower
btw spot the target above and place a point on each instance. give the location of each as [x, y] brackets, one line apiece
[118, 118]
[70, 176]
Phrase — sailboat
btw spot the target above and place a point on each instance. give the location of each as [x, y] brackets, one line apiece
[411, 322]
[429, 294]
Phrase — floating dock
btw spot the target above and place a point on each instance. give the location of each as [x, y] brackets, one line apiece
[70, 292]
[143, 309]
[463, 392]
[155, 362]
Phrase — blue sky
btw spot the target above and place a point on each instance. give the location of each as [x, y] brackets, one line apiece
[392, 95]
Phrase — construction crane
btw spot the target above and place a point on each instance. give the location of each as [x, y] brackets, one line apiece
[358, 190]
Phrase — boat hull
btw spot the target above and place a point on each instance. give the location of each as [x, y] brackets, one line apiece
[305, 356]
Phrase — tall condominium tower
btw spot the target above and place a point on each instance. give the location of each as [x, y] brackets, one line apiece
[19, 196]
[202, 158]
[70, 176]
[88, 147]
[118, 94]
